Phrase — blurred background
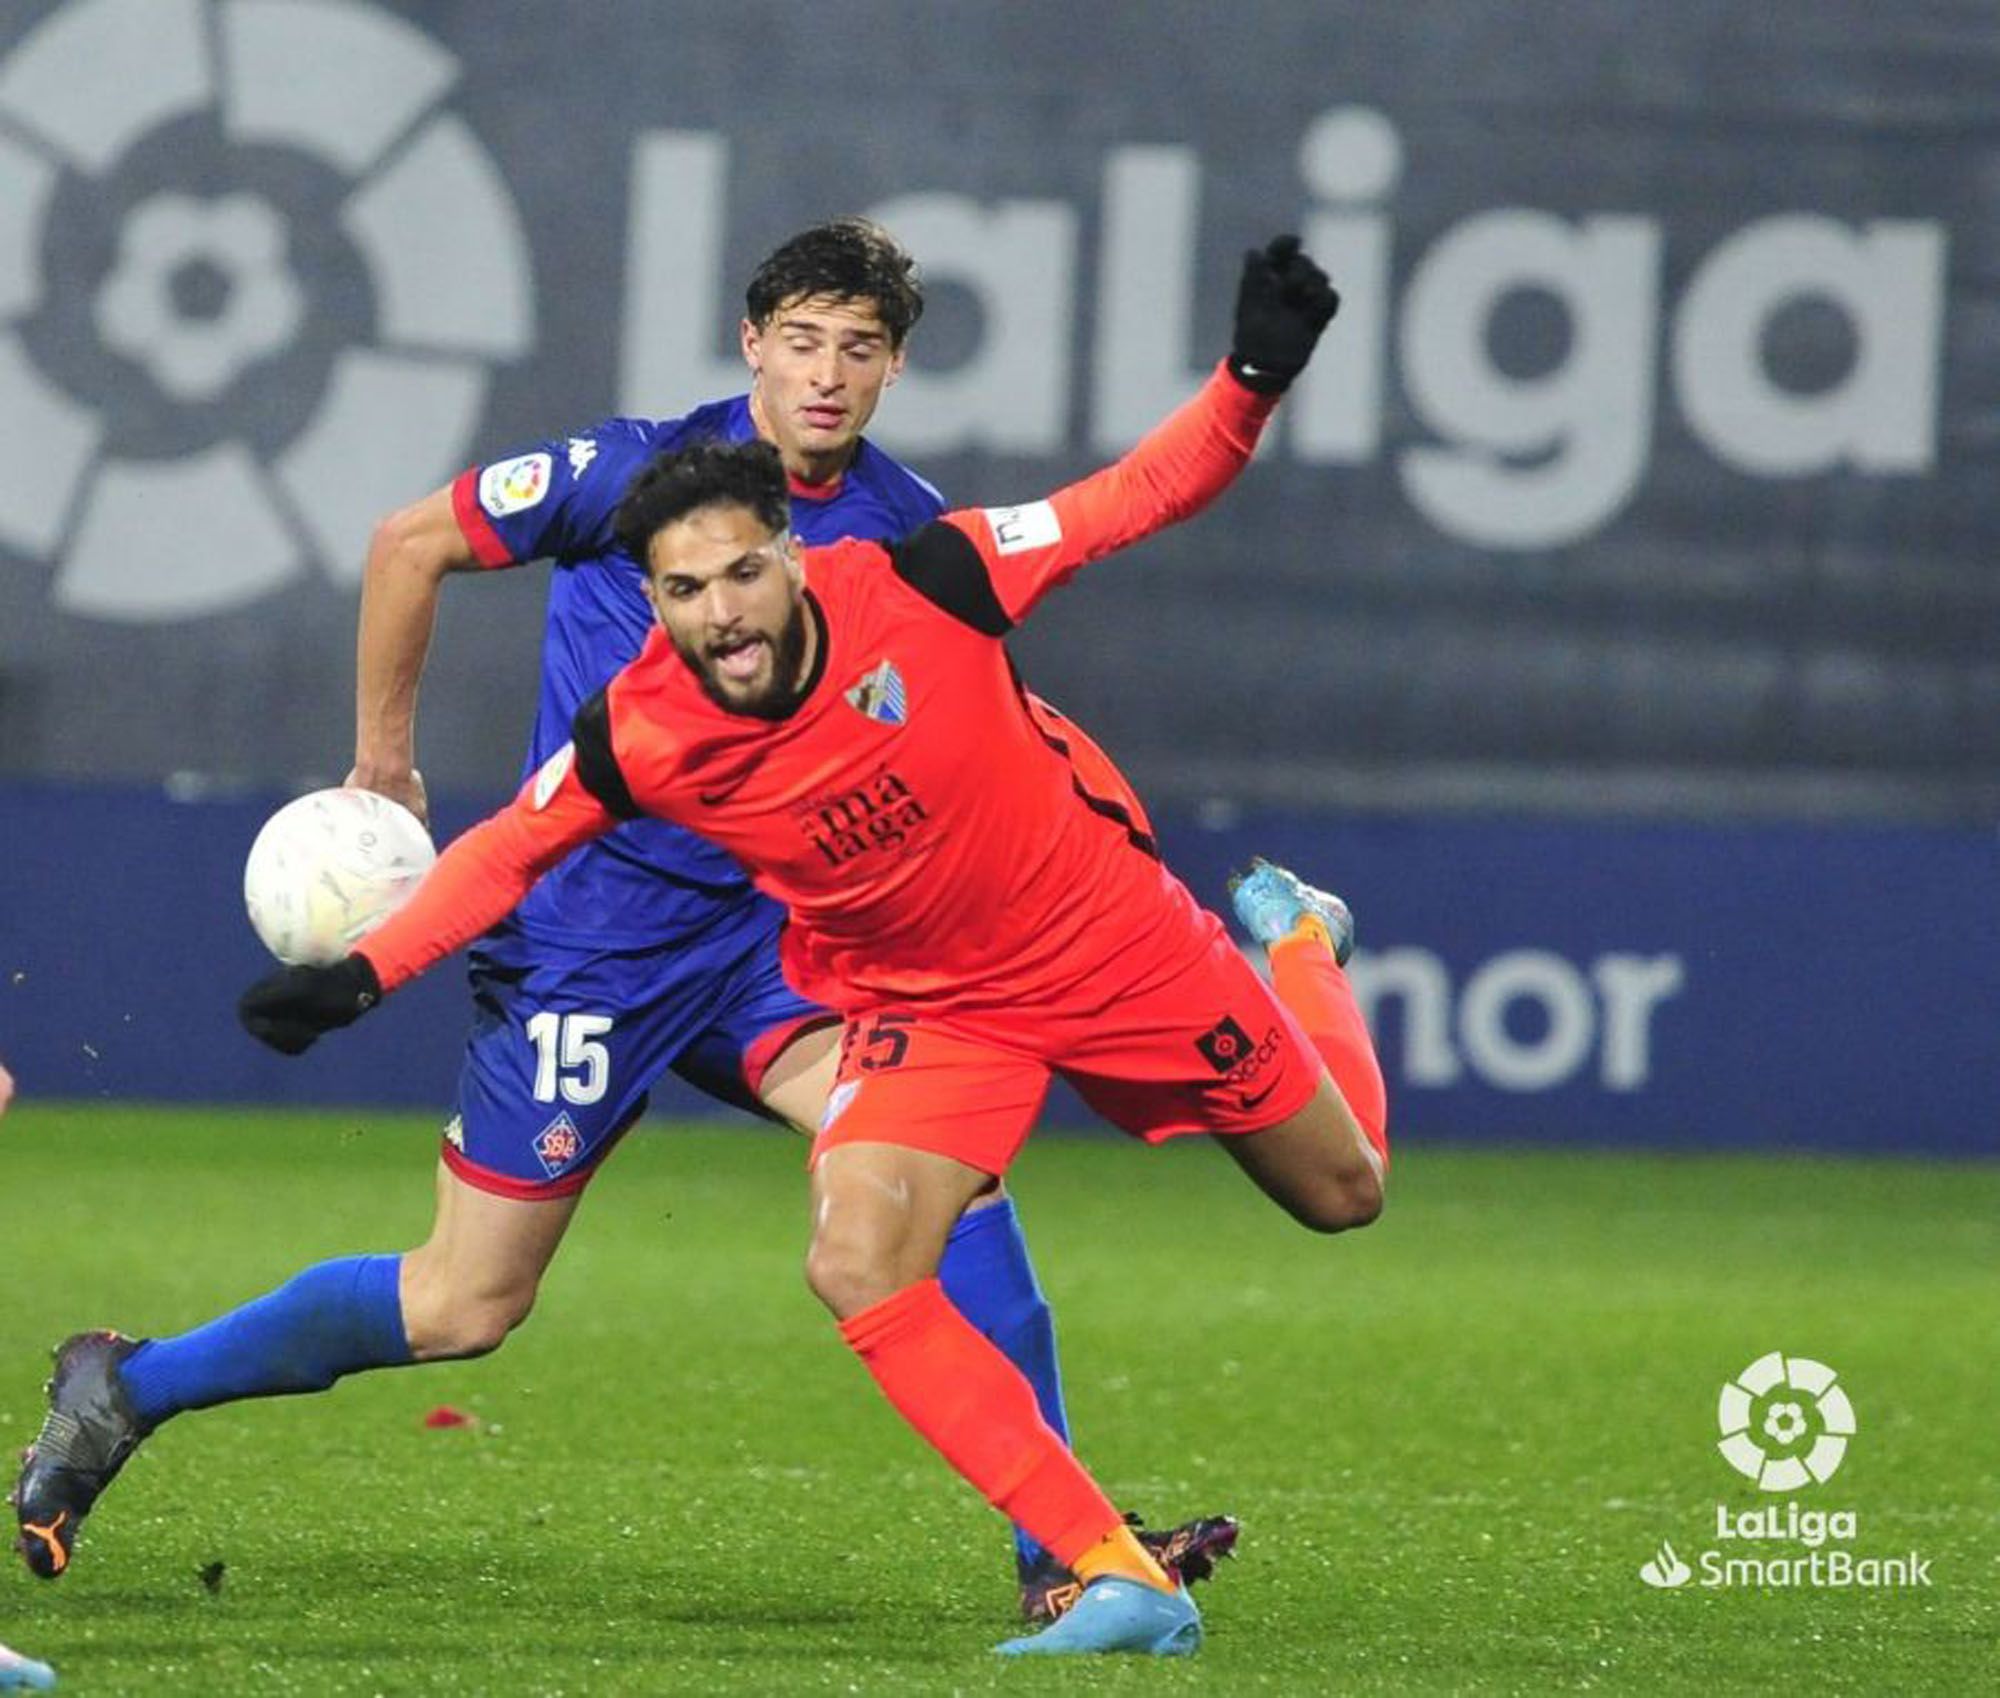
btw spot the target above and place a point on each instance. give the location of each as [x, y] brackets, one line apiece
[1614, 617]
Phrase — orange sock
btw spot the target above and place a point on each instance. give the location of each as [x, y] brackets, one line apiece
[1311, 984]
[1119, 1552]
[978, 1412]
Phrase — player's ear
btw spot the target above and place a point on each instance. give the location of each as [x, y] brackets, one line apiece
[896, 362]
[652, 582]
[751, 340]
[795, 560]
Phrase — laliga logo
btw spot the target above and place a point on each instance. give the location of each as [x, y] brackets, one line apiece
[298, 276]
[1785, 1424]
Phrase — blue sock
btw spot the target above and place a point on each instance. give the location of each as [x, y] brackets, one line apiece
[991, 1282]
[335, 1318]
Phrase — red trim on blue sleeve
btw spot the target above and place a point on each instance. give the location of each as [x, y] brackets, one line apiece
[480, 536]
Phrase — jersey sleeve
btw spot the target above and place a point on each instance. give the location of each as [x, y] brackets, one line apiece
[990, 566]
[597, 767]
[482, 876]
[554, 501]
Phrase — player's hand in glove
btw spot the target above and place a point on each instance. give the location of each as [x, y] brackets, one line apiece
[289, 1009]
[1282, 304]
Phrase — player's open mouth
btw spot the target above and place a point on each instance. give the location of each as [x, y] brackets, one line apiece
[739, 659]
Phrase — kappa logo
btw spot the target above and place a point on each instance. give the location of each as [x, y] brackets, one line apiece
[454, 1132]
[582, 450]
[513, 486]
[879, 695]
[558, 1144]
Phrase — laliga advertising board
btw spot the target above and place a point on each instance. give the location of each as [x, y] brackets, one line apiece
[1572, 982]
[1567, 982]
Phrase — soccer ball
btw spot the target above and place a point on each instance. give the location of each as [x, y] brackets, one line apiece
[330, 867]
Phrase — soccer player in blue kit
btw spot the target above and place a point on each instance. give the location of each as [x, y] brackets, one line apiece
[648, 951]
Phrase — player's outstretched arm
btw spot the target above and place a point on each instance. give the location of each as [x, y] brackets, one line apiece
[1283, 303]
[480, 878]
[410, 554]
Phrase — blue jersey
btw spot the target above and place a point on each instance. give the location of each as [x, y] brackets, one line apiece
[648, 883]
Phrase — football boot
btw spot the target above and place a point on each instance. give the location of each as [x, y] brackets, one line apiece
[1115, 1614]
[1271, 902]
[86, 1437]
[1188, 1553]
[24, 1674]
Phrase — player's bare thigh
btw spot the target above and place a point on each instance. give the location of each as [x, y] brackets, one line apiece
[474, 1279]
[796, 1084]
[1317, 1165]
[881, 1214]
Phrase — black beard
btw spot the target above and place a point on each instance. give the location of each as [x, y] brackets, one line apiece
[787, 652]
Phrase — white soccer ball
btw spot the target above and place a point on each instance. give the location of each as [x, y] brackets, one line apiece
[330, 867]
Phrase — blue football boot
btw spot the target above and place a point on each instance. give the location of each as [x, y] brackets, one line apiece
[1188, 1553]
[1118, 1615]
[24, 1674]
[1271, 902]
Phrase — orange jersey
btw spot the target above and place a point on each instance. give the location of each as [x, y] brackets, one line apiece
[936, 839]
[1096, 773]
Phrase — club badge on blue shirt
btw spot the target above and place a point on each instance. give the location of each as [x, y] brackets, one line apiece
[879, 695]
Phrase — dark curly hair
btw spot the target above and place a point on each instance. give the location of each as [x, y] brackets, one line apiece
[849, 259]
[705, 473]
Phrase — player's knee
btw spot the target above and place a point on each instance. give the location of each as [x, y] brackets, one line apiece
[481, 1328]
[1364, 1197]
[849, 1275]
[444, 1321]
[1342, 1202]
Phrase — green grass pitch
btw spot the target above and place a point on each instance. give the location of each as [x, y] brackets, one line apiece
[1452, 1439]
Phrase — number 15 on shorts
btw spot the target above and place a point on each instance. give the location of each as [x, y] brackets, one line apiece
[879, 1046]
[568, 1056]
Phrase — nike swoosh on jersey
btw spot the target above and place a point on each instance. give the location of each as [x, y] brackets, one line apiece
[729, 786]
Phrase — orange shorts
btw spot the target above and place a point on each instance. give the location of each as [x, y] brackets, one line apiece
[1204, 1048]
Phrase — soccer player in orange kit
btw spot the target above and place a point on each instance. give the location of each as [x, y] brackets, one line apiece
[845, 720]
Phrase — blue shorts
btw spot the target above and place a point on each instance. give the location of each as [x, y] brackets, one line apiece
[566, 1046]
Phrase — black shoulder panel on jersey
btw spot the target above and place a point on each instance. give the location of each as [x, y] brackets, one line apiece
[596, 764]
[1105, 807]
[941, 564]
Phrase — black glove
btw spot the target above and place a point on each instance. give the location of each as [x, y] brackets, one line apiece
[290, 1008]
[1282, 304]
